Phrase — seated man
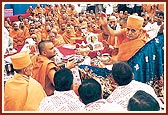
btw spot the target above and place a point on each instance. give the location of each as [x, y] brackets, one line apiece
[129, 39]
[90, 92]
[17, 35]
[56, 38]
[142, 101]
[64, 98]
[22, 92]
[123, 76]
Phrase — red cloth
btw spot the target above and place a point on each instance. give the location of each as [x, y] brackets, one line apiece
[15, 17]
[66, 51]
[96, 53]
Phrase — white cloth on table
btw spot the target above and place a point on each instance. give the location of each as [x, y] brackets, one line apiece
[87, 61]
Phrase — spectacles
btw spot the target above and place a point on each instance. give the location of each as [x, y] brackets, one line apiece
[132, 30]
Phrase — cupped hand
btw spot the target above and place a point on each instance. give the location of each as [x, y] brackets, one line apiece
[103, 19]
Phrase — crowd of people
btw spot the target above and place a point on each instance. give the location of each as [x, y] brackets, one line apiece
[41, 84]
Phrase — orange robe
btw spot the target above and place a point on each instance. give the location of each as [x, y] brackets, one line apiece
[110, 40]
[150, 9]
[70, 11]
[62, 21]
[128, 47]
[75, 22]
[38, 33]
[25, 32]
[38, 10]
[69, 38]
[18, 37]
[46, 10]
[22, 93]
[100, 37]
[61, 32]
[27, 25]
[160, 7]
[58, 41]
[90, 29]
[78, 33]
[44, 35]
[41, 67]
[98, 31]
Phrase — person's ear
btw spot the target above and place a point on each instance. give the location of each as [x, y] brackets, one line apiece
[80, 99]
[132, 75]
[102, 94]
[141, 31]
[43, 53]
[112, 79]
[75, 88]
[25, 70]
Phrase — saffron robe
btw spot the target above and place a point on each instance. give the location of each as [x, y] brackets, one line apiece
[22, 93]
[128, 47]
[41, 67]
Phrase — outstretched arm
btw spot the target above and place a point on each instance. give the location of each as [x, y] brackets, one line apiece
[107, 29]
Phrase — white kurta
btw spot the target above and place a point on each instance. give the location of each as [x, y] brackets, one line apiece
[122, 94]
[103, 106]
[61, 101]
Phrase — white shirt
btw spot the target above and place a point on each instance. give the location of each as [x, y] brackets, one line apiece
[155, 29]
[5, 43]
[122, 94]
[149, 30]
[78, 8]
[102, 105]
[130, 5]
[109, 8]
[61, 101]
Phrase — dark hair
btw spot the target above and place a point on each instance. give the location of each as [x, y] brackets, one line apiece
[101, 27]
[124, 19]
[63, 79]
[142, 101]
[122, 73]
[20, 18]
[90, 91]
[41, 45]
[161, 14]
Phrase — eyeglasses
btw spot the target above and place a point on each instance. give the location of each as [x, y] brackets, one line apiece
[132, 30]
